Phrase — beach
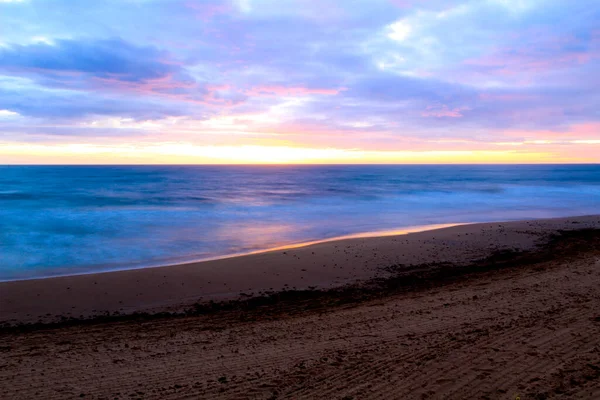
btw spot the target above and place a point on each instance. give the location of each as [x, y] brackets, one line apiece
[491, 310]
[265, 200]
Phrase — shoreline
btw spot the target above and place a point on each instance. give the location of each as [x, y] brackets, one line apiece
[166, 264]
[520, 322]
[319, 266]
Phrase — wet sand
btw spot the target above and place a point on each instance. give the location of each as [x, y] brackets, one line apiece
[476, 311]
[319, 266]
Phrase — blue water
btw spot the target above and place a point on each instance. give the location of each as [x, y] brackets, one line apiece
[71, 219]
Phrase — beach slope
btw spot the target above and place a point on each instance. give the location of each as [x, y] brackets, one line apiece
[490, 311]
[318, 266]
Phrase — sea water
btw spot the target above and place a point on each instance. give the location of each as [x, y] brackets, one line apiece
[60, 220]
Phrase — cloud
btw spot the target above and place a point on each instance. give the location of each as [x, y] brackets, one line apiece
[399, 30]
[444, 111]
[540, 52]
[8, 114]
[275, 90]
[206, 10]
[389, 87]
[379, 74]
[110, 60]
[72, 105]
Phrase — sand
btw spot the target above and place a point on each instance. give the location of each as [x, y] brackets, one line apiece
[319, 266]
[475, 311]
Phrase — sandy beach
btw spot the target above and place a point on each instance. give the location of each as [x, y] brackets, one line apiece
[490, 310]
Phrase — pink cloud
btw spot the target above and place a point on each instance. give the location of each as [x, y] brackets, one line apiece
[506, 97]
[443, 111]
[587, 129]
[159, 85]
[581, 131]
[515, 63]
[213, 88]
[207, 11]
[402, 3]
[173, 89]
[549, 53]
[276, 90]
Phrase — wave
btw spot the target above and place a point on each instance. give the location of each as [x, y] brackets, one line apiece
[62, 218]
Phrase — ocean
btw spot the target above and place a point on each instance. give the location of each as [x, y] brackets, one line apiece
[61, 220]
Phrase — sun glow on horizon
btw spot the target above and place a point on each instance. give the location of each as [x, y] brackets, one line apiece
[186, 153]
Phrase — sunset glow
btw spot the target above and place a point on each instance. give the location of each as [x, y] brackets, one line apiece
[179, 153]
[271, 82]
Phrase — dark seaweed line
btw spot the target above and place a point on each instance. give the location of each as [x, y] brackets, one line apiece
[563, 245]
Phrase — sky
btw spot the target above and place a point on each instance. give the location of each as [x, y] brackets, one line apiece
[299, 81]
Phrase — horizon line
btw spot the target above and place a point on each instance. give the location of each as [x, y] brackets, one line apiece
[286, 164]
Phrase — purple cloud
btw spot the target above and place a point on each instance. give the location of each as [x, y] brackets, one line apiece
[377, 73]
[112, 59]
